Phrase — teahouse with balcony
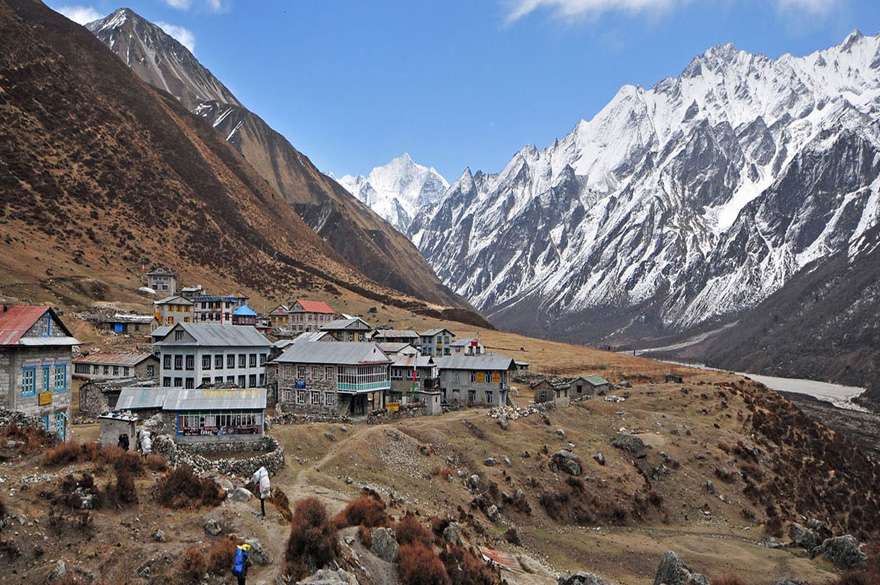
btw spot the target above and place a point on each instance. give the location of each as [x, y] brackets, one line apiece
[348, 378]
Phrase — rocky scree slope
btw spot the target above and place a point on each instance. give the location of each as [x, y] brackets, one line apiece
[674, 206]
[357, 234]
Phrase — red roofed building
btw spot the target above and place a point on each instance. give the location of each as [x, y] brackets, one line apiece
[35, 370]
[308, 315]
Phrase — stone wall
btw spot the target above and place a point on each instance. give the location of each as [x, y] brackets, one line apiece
[244, 458]
[92, 399]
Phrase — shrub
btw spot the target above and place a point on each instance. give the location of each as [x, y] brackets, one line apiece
[365, 535]
[119, 458]
[123, 492]
[312, 542]
[419, 565]
[282, 504]
[62, 454]
[410, 531]
[466, 568]
[193, 564]
[182, 488]
[438, 525]
[155, 462]
[364, 510]
[220, 555]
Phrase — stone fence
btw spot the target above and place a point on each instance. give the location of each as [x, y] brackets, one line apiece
[226, 458]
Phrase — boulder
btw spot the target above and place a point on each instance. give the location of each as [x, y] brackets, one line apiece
[631, 444]
[566, 461]
[159, 535]
[504, 423]
[473, 482]
[803, 537]
[452, 533]
[492, 513]
[788, 581]
[581, 578]
[560, 433]
[489, 462]
[58, 571]
[259, 555]
[239, 494]
[844, 551]
[212, 527]
[329, 436]
[599, 458]
[673, 571]
[385, 544]
[330, 577]
[224, 483]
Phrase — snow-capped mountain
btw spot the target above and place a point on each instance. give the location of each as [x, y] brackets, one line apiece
[159, 59]
[397, 190]
[675, 205]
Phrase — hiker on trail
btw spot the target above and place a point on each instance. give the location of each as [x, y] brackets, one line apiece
[240, 562]
[146, 443]
[123, 442]
[261, 479]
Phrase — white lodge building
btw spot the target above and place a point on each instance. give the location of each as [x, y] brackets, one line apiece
[202, 354]
[347, 378]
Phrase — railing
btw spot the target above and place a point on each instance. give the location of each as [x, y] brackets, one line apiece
[363, 386]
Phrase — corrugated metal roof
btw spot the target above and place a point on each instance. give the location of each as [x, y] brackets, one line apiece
[216, 335]
[595, 380]
[392, 333]
[137, 398]
[16, 320]
[162, 331]
[315, 307]
[391, 347]
[485, 361]
[113, 359]
[433, 332]
[310, 336]
[346, 324]
[174, 300]
[231, 399]
[320, 352]
[244, 311]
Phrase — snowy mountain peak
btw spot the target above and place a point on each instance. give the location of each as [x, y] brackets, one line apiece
[398, 189]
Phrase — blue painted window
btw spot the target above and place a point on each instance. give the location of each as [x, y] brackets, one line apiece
[29, 381]
[61, 425]
[60, 377]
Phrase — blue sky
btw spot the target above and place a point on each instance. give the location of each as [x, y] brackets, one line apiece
[457, 83]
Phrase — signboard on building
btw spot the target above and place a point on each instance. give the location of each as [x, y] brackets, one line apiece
[393, 406]
[44, 398]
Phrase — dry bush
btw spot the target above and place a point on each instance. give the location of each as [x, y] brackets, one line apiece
[438, 525]
[410, 531]
[62, 454]
[442, 471]
[419, 565]
[182, 488]
[193, 564]
[123, 492]
[220, 554]
[365, 535]
[312, 542]
[466, 568]
[155, 462]
[281, 503]
[29, 439]
[364, 510]
[728, 580]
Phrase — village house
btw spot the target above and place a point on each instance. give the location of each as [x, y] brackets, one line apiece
[171, 311]
[279, 317]
[336, 378]
[411, 374]
[163, 281]
[352, 329]
[114, 365]
[475, 380]
[391, 348]
[198, 416]
[436, 342]
[216, 308]
[244, 315]
[125, 324]
[395, 336]
[194, 354]
[189, 292]
[551, 390]
[142, 401]
[35, 373]
[589, 385]
[470, 346]
[308, 315]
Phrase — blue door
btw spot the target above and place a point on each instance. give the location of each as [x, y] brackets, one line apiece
[61, 425]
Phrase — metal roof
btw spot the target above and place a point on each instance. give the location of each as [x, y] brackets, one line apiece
[113, 359]
[313, 307]
[484, 361]
[16, 321]
[140, 398]
[127, 318]
[464, 342]
[346, 324]
[174, 300]
[244, 311]
[161, 331]
[433, 332]
[391, 347]
[396, 333]
[595, 380]
[217, 335]
[320, 352]
[230, 399]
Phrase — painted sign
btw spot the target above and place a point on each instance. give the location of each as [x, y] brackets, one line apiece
[44, 398]
[393, 406]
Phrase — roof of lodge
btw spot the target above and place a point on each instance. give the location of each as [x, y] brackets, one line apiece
[17, 320]
[346, 353]
[217, 335]
[314, 306]
[226, 399]
[345, 324]
[114, 358]
[483, 361]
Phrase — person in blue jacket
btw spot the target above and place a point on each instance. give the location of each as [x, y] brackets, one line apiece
[240, 562]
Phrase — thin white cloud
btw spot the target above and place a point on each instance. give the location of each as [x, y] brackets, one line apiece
[179, 4]
[80, 14]
[183, 35]
[217, 5]
[811, 6]
[575, 9]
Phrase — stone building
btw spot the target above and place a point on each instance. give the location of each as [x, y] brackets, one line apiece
[125, 324]
[115, 365]
[352, 329]
[35, 365]
[197, 354]
[555, 391]
[334, 378]
[470, 346]
[244, 315]
[589, 385]
[163, 281]
[279, 317]
[306, 315]
[411, 374]
[216, 308]
[436, 342]
[172, 310]
[198, 416]
[395, 336]
[475, 380]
